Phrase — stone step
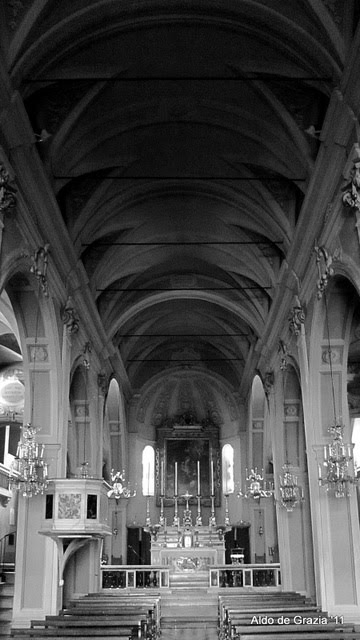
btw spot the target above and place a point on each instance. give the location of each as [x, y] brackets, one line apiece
[8, 576]
[6, 589]
[5, 630]
[189, 629]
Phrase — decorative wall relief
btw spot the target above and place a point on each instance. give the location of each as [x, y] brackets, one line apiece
[351, 196]
[7, 191]
[325, 270]
[39, 267]
[69, 506]
[38, 353]
[297, 317]
[333, 355]
[70, 317]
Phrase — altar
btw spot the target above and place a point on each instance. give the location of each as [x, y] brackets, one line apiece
[188, 550]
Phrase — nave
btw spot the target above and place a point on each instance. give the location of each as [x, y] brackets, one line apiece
[180, 311]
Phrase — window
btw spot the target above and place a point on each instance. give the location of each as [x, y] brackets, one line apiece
[356, 441]
[227, 469]
[148, 471]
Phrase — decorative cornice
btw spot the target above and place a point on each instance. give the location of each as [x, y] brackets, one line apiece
[7, 191]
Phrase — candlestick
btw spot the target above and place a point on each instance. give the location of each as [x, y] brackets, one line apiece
[148, 520]
[162, 479]
[198, 478]
[198, 517]
[162, 519]
[176, 520]
[176, 480]
[227, 517]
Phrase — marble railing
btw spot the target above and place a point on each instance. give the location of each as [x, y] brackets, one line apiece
[157, 577]
[134, 577]
[246, 575]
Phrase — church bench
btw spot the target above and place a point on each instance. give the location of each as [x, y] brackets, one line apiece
[101, 621]
[254, 630]
[127, 633]
[303, 635]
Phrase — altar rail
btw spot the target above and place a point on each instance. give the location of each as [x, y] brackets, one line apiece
[224, 576]
[246, 575]
[134, 577]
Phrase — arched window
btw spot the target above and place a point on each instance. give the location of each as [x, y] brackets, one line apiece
[148, 471]
[356, 442]
[257, 424]
[227, 469]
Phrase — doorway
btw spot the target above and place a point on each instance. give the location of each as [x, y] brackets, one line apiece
[238, 537]
[138, 546]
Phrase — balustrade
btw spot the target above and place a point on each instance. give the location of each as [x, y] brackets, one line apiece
[134, 577]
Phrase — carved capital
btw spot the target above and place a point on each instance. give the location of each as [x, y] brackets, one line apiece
[7, 191]
[296, 318]
[70, 317]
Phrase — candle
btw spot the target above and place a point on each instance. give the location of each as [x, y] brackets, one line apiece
[176, 481]
[212, 476]
[162, 479]
[198, 478]
[148, 492]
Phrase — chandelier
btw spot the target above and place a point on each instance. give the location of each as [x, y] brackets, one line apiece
[29, 472]
[119, 489]
[336, 472]
[256, 487]
[291, 493]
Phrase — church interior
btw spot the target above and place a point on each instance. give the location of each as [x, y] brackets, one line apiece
[180, 319]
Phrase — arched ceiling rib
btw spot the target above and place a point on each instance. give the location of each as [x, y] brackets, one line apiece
[176, 145]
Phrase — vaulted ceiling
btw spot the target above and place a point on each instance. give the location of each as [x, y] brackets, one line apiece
[179, 138]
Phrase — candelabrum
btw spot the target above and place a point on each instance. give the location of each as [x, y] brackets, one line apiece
[29, 472]
[339, 476]
[291, 493]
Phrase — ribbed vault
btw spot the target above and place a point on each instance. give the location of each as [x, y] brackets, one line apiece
[174, 136]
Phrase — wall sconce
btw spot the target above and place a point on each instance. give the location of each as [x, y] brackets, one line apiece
[256, 487]
[118, 487]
